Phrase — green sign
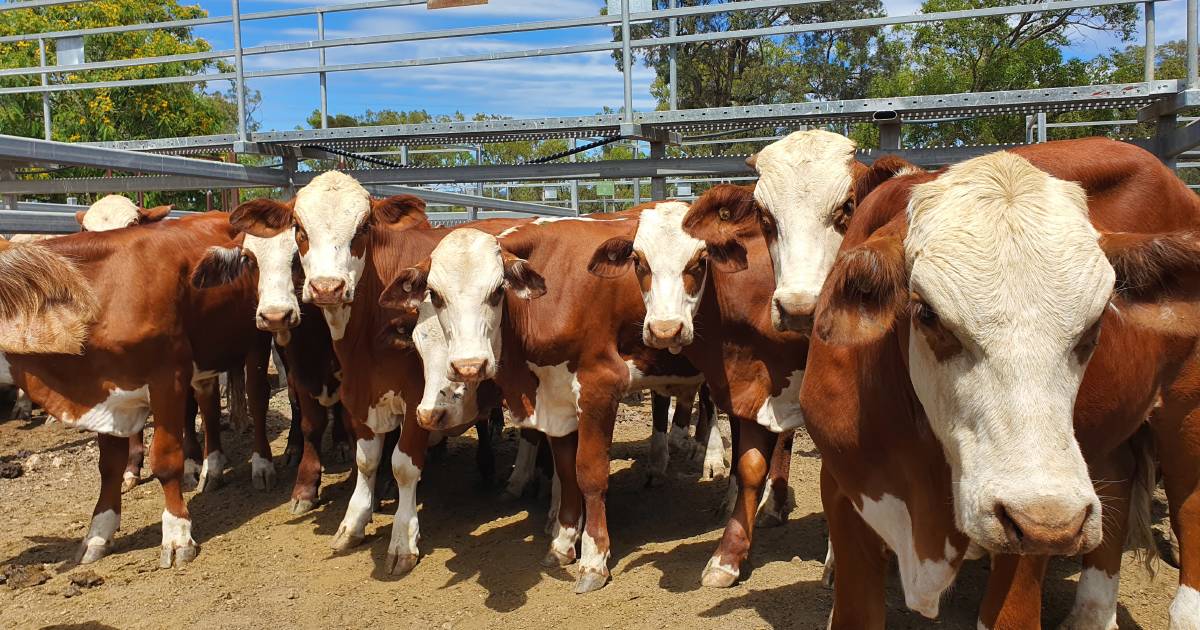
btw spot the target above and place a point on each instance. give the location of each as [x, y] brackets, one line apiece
[606, 189]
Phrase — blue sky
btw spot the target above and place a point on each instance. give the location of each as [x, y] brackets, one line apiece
[548, 86]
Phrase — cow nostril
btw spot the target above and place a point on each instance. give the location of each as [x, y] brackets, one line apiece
[430, 417]
[1044, 527]
[469, 369]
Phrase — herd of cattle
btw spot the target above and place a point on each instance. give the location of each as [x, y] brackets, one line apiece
[997, 358]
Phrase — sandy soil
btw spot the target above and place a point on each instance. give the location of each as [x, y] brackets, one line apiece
[260, 566]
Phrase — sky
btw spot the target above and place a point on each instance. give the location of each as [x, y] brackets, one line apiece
[521, 88]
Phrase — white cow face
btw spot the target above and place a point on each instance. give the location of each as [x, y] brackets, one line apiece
[278, 309]
[1006, 283]
[113, 212]
[332, 216]
[671, 268]
[466, 278]
[803, 189]
[445, 404]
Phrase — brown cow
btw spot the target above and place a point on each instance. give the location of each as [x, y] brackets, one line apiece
[951, 342]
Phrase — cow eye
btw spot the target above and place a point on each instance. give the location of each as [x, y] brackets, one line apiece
[436, 299]
[639, 263]
[1088, 342]
[362, 228]
[924, 315]
[768, 226]
[301, 234]
[496, 295]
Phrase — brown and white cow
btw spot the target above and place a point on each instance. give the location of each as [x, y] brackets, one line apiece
[138, 359]
[970, 347]
[562, 362]
[754, 371]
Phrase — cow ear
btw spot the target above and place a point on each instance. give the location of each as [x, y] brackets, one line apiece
[151, 215]
[612, 257]
[722, 218]
[408, 290]
[397, 209]
[728, 257]
[221, 266]
[521, 278]
[79, 214]
[1157, 279]
[263, 218]
[866, 290]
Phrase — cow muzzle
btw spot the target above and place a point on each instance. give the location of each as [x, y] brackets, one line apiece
[329, 291]
[793, 311]
[1044, 527]
[277, 319]
[469, 370]
[432, 418]
[666, 333]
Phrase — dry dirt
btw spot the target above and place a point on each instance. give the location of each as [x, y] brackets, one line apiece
[260, 566]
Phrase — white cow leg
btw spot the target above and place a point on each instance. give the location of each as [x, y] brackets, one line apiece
[22, 407]
[1095, 602]
[555, 500]
[96, 543]
[524, 467]
[402, 551]
[358, 513]
[178, 547]
[1185, 609]
[827, 572]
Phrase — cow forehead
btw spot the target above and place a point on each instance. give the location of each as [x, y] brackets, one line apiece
[812, 165]
[466, 258]
[661, 239]
[110, 213]
[996, 236]
[332, 204]
[280, 247]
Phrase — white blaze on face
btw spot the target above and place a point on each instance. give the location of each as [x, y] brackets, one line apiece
[110, 213]
[276, 288]
[676, 266]
[1014, 280]
[330, 210]
[466, 286]
[804, 180]
[455, 400]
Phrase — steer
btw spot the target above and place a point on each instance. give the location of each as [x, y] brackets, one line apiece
[959, 351]
[562, 363]
[754, 371]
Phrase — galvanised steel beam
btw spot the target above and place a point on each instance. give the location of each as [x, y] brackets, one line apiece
[472, 201]
[104, 185]
[1179, 141]
[35, 4]
[33, 151]
[1182, 100]
[32, 222]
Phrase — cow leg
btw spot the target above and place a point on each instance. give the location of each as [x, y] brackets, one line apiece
[258, 392]
[132, 475]
[598, 404]
[407, 461]
[341, 433]
[1096, 596]
[312, 420]
[681, 424]
[659, 454]
[192, 453]
[208, 397]
[235, 389]
[368, 450]
[862, 562]
[713, 436]
[485, 452]
[1177, 441]
[385, 485]
[22, 406]
[779, 499]
[567, 519]
[1013, 598]
[754, 446]
[525, 465]
[106, 518]
[169, 407]
[294, 451]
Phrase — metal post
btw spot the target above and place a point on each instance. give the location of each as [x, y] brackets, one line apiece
[1164, 128]
[1150, 48]
[889, 136]
[627, 58]
[404, 154]
[239, 86]
[321, 63]
[45, 95]
[289, 166]
[574, 182]
[473, 212]
[658, 185]
[1041, 127]
[1028, 129]
[1193, 64]
[673, 26]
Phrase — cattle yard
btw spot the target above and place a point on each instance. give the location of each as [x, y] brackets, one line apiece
[880, 394]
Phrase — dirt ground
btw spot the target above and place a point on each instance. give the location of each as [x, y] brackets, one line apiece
[260, 566]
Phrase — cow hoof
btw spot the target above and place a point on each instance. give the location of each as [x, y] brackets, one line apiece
[211, 471]
[129, 481]
[178, 554]
[401, 564]
[769, 518]
[345, 540]
[89, 553]
[191, 475]
[301, 506]
[262, 472]
[555, 559]
[717, 575]
[714, 469]
[590, 581]
[1088, 620]
[679, 440]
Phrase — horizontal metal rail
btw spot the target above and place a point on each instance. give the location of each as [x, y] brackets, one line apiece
[35, 4]
[471, 201]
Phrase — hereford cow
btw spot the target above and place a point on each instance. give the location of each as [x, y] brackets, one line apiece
[562, 363]
[971, 347]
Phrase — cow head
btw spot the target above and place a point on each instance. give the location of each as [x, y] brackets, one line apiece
[466, 278]
[999, 284]
[445, 404]
[278, 309]
[115, 211]
[332, 217]
[671, 268]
